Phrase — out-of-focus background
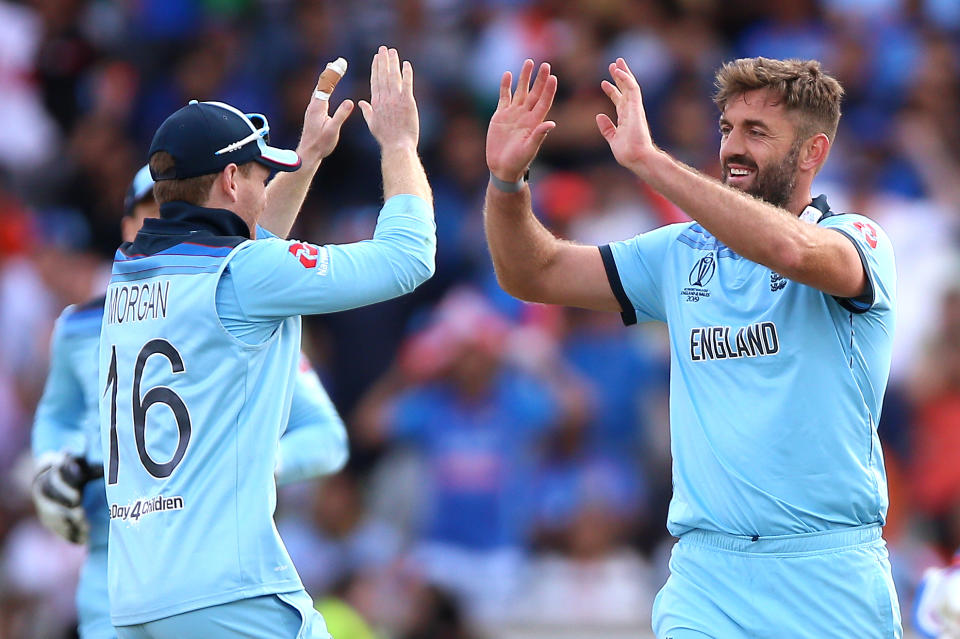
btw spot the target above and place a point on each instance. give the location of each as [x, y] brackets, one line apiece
[510, 465]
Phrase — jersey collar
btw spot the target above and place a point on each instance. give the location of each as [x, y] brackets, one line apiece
[817, 210]
[180, 217]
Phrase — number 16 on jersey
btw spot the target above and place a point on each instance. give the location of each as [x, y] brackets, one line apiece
[140, 406]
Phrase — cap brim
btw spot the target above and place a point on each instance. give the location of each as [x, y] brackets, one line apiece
[278, 159]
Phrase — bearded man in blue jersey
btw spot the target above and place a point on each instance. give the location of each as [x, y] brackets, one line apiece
[198, 353]
[780, 313]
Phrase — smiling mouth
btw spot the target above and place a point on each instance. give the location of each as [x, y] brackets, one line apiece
[739, 172]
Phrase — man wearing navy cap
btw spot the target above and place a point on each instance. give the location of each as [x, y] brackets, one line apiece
[69, 493]
[200, 338]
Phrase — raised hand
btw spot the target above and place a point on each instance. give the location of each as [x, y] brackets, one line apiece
[321, 132]
[391, 113]
[517, 128]
[629, 138]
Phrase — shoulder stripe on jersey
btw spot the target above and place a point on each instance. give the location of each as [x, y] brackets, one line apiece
[861, 303]
[184, 249]
[153, 261]
[697, 237]
[182, 269]
[627, 313]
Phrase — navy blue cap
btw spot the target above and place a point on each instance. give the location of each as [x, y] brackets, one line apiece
[140, 188]
[204, 137]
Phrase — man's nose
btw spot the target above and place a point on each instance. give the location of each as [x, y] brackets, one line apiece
[732, 145]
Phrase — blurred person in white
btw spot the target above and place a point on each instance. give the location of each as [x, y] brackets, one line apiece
[471, 395]
[29, 136]
[936, 613]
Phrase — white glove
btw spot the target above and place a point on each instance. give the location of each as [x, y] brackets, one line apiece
[58, 495]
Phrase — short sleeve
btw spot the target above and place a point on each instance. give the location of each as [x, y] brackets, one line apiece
[635, 271]
[876, 255]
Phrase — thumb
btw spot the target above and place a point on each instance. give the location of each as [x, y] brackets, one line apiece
[342, 113]
[367, 110]
[605, 124]
[540, 133]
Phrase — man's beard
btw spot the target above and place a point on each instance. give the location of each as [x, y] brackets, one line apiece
[773, 184]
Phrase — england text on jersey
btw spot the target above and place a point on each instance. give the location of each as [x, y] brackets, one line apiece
[137, 302]
[714, 342]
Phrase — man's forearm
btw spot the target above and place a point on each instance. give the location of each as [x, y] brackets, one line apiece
[285, 196]
[520, 246]
[752, 228]
[403, 173]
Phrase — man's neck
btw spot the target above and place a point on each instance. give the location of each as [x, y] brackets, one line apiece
[800, 200]
[216, 203]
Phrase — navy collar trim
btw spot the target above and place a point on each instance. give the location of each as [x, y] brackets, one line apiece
[180, 222]
[817, 210]
[180, 217]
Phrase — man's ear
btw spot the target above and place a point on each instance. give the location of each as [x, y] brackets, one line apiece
[228, 183]
[814, 152]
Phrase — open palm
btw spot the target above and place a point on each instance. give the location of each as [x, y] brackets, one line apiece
[629, 138]
[517, 128]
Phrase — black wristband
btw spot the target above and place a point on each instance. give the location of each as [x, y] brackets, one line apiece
[509, 187]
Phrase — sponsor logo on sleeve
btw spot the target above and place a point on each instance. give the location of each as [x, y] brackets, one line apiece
[306, 253]
[869, 233]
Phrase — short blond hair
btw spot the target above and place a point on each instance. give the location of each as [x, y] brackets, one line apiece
[195, 190]
[805, 89]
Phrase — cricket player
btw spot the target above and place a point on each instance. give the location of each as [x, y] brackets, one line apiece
[69, 492]
[780, 314]
[200, 338]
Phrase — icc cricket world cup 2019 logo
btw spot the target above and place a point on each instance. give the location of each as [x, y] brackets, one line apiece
[702, 272]
[700, 275]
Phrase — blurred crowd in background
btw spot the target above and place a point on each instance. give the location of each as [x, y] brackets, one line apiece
[510, 465]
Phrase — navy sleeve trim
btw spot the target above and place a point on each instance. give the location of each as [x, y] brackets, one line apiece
[627, 312]
[864, 302]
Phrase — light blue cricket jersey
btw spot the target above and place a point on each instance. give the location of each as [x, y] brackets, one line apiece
[191, 412]
[775, 387]
[314, 441]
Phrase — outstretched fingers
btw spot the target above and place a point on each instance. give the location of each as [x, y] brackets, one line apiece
[375, 75]
[407, 73]
[545, 100]
[393, 70]
[626, 82]
[607, 128]
[612, 92]
[539, 83]
[523, 83]
[506, 81]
